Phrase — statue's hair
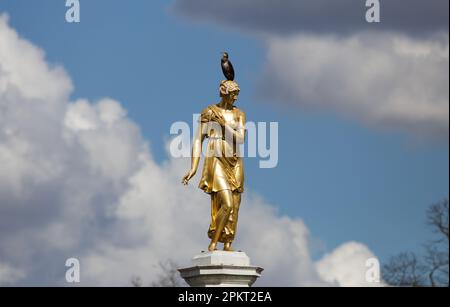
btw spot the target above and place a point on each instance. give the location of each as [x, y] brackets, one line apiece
[227, 86]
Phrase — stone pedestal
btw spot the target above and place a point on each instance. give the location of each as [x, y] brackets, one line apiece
[221, 269]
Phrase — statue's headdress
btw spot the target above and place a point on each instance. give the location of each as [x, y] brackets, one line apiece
[227, 86]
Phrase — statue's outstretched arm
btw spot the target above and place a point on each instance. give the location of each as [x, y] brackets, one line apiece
[195, 154]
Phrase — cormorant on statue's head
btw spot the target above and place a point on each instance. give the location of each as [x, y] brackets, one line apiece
[227, 67]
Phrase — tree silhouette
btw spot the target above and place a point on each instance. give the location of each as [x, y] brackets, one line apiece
[168, 278]
[430, 270]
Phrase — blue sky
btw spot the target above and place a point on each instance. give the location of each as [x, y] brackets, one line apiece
[346, 180]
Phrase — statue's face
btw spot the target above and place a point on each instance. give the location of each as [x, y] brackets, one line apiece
[233, 95]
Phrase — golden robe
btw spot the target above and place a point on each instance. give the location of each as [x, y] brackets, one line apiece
[222, 170]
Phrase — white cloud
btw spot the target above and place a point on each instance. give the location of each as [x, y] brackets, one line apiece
[385, 80]
[9, 275]
[23, 66]
[347, 266]
[78, 180]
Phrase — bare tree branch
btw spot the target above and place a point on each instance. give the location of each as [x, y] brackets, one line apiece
[436, 261]
[406, 269]
[136, 281]
[170, 276]
[437, 218]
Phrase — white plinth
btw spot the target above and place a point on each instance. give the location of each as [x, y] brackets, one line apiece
[221, 269]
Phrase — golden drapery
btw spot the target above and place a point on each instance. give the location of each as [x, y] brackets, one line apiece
[222, 170]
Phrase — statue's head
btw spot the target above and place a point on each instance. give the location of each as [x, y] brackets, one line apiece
[229, 90]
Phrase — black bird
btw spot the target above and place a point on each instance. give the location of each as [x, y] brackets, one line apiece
[227, 67]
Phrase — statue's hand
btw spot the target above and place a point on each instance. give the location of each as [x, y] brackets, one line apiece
[187, 177]
[218, 119]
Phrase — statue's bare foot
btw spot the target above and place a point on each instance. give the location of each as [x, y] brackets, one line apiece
[212, 247]
[227, 247]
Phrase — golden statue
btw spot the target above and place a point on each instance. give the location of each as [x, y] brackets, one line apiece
[223, 174]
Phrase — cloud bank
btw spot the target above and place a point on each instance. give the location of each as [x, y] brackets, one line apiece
[77, 179]
[318, 16]
[323, 56]
[390, 81]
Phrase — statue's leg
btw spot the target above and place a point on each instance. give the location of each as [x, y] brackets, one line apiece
[214, 209]
[235, 213]
[225, 199]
